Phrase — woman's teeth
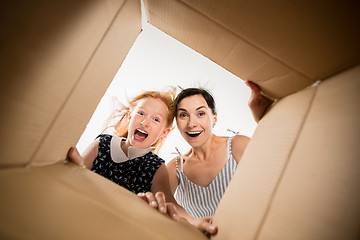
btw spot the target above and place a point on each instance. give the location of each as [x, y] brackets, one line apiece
[194, 133]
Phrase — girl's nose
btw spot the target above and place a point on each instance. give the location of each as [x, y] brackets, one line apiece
[145, 122]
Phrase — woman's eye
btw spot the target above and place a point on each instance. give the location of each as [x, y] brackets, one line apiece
[182, 115]
[201, 114]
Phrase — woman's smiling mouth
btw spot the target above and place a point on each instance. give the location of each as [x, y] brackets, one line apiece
[194, 134]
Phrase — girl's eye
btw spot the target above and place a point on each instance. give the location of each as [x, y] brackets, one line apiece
[141, 113]
[157, 120]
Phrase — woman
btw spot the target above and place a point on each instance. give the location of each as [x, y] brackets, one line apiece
[199, 177]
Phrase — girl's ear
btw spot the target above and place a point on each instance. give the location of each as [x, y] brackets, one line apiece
[129, 117]
[164, 133]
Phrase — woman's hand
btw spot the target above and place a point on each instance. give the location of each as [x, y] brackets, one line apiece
[158, 201]
[204, 224]
[258, 103]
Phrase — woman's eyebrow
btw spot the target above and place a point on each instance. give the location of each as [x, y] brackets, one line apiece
[183, 109]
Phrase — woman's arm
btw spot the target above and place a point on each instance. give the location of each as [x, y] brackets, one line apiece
[161, 188]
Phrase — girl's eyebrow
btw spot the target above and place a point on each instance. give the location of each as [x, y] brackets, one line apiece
[156, 114]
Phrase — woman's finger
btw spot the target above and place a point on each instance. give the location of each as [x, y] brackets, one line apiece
[151, 199]
[172, 211]
[207, 227]
[161, 202]
[142, 196]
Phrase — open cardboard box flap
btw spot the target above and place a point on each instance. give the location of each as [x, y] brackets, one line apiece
[58, 58]
[67, 52]
[57, 61]
[283, 46]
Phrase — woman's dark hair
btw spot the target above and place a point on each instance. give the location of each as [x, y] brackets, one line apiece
[196, 91]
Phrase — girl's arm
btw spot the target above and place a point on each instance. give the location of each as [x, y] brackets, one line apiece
[161, 188]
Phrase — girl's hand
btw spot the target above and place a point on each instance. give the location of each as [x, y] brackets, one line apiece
[258, 103]
[74, 156]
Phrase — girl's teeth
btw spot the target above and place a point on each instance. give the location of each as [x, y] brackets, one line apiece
[142, 131]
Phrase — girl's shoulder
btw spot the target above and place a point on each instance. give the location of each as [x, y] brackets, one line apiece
[154, 157]
[104, 135]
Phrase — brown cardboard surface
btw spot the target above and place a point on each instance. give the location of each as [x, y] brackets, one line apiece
[282, 46]
[47, 50]
[318, 196]
[299, 175]
[69, 202]
[251, 189]
[97, 76]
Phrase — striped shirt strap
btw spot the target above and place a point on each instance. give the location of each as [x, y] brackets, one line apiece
[229, 150]
[181, 163]
[181, 167]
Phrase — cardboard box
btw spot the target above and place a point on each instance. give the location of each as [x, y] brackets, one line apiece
[57, 59]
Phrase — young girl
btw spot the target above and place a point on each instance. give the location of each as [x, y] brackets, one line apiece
[127, 158]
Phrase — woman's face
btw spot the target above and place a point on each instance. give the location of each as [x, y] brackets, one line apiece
[195, 120]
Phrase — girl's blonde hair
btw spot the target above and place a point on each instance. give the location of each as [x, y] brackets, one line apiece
[167, 97]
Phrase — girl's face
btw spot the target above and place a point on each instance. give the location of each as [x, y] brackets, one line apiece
[195, 120]
[148, 122]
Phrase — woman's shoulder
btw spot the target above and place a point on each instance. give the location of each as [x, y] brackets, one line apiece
[172, 163]
[238, 146]
[220, 140]
[240, 139]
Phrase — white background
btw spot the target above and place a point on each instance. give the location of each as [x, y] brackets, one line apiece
[157, 61]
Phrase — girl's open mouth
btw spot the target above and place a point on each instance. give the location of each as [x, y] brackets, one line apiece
[140, 135]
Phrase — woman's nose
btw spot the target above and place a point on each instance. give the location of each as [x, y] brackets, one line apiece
[192, 122]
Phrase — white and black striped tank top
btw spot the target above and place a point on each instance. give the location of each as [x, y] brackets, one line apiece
[202, 201]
